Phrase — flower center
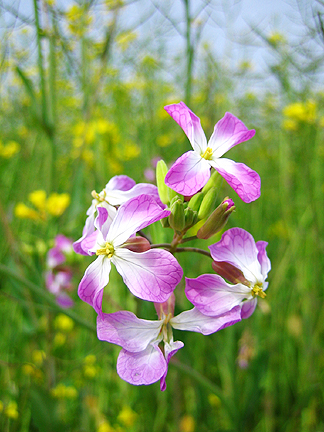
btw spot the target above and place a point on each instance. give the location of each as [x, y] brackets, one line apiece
[100, 198]
[207, 154]
[258, 291]
[108, 250]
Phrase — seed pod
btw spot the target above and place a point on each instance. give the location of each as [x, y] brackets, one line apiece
[177, 216]
[208, 203]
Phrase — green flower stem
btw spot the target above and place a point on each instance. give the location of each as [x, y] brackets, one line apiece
[45, 295]
[182, 249]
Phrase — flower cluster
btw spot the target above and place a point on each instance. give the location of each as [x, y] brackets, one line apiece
[184, 200]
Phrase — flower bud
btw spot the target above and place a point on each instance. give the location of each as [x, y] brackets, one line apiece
[161, 171]
[214, 181]
[208, 203]
[229, 272]
[177, 216]
[137, 244]
[217, 220]
[195, 201]
[191, 217]
[165, 222]
[176, 198]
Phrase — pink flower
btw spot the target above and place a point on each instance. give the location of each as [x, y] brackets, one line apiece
[243, 260]
[192, 170]
[142, 361]
[151, 275]
[118, 190]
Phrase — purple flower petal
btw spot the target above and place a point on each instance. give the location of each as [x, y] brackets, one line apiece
[95, 278]
[228, 132]
[190, 124]
[238, 248]
[188, 174]
[193, 320]
[117, 197]
[64, 301]
[88, 229]
[248, 308]
[120, 182]
[135, 214]
[63, 243]
[263, 258]
[169, 350]
[150, 275]
[142, 368]
[241, 178]
[55, 257]
[125, 329]
[213, 296]
[89, 242]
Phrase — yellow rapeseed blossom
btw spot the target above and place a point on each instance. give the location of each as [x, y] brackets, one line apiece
[78, 19]
[245, 66]
[59, 339]
[61, 391]
[24, 212]
[301, 111]
[124, 39]
[276, 38]
[28, 369]
[105, 427]
[114, 4]
[187, 424]
[38, 198]
[90, 359]
[290, 125]
[129, 151]
[9, 149]
[89, 371]
[163, 140]
[57, 203]
[127, 416]
[11, 410]
[63, 323]
[38, 357]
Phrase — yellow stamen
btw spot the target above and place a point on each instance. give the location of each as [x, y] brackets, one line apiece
[97, 196]
[107, 250]
[207, 154]
[258, 291]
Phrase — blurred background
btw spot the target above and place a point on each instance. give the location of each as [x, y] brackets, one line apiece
[83, 85]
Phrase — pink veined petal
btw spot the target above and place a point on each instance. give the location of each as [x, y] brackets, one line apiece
[169, 350]
[64, 301]
[228, 132]
[104, 219]
[245, 181]
[142, 368]
[190, 124]
[120, 182]
[188, 174]
[132, 216]
[125, 329]
[88, 243]
[55, 257]
[213, 296]
[238, 248]
[88, 229]
[193, 320]
[117, 197]
[150, 275]
[248, 308]
[95, 278]
[263, 258]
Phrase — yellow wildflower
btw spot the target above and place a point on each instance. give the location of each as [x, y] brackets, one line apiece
[105, 427]
[61, 391]
[187, 424]
[28, 369]
[163, 140]
[276, 38]
[129, 151]
[59, 339]
[127, 416]
[114, 4]
[38, 357]
[124, 39]
[24, 212]
[89, 371]
[214, 400]
[57, 203]
[78, 19]
[11, 410]
[63, 323]
[8, 150]
[290, 125]
[300, 111]
[90, 359]
[38, 198]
